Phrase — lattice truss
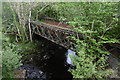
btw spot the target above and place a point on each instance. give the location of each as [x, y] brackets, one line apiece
[55, 34]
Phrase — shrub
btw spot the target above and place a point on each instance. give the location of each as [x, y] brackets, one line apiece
[11, 60]
[98, 24]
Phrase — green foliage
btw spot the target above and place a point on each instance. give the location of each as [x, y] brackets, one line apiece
[7, 19]
[97, 22]
[50, 12]
[29, 49]
[11, 60]
[88, 67]
[90, 62]
[15, 17]
[103, 16]
[67, 10]
[11, 23]
[45, 9]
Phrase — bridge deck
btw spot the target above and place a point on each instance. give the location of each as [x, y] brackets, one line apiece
[60, 24]
[55, 32]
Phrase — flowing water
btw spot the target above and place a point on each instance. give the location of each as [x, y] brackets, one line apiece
[52, 64]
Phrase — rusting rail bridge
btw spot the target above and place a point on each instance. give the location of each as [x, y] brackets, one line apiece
[55, 33]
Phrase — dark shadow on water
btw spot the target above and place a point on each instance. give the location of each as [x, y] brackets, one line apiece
[49, 64]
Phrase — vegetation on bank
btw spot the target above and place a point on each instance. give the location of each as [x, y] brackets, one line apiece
[98, 23]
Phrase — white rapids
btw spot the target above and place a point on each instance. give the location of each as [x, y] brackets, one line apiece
[70, 53]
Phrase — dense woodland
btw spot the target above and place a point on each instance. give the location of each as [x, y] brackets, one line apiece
[97, 21]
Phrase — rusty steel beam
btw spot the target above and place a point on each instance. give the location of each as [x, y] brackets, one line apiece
[55, 34]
